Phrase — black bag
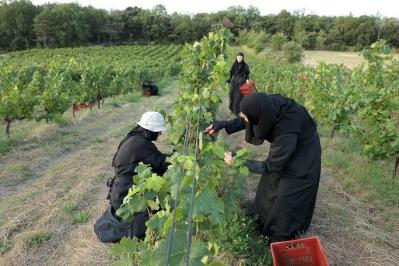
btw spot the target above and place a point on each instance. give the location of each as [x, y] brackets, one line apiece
[149, 87]
[108, 228]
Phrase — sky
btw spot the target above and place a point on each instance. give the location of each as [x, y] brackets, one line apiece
[387, 8]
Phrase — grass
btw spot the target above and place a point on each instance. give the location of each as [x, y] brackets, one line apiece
[70, 207]
[5, 246]
[61, 185]
[36, 240]
[131, 97]
[95, 140]
[5, 145]
[370, 179]
[81, 217]
[19, 172]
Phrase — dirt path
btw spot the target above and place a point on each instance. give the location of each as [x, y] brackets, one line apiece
[71, 166]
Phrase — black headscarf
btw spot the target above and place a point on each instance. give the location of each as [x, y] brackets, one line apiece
[238, 68]
[269, 116]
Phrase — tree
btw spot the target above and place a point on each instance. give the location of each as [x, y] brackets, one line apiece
[293, 52]
[321, 39]
[95, 20]
[201, 25]
[299, 33]
[391, 31]
[277, 41]
[379, 24]
[62, 25]
[238, 17]
[44, 27]
[133, 25]
[284, 22]
[253, 18]
[113, 27]
[182, 28]
[160, 24]
[16, 24]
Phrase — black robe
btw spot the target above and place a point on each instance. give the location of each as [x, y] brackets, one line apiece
[239, 73]
[136, 147]
[286, 194]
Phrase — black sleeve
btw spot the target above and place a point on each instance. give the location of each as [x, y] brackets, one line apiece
[246, 74]
[231, 126]
[235, 125]
[231, 72]
[157, 161]
[280, 152]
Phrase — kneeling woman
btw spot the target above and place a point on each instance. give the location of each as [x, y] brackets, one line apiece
[136, 147]
[286, 194]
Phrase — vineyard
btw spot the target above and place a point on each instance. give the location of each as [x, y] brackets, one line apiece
[180, 199]
[44, 84]
[363, 102]
[194, 208]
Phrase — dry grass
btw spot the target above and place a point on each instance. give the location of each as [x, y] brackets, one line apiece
[43, 132]
[349, 59]
[70, 165]
[350, 234]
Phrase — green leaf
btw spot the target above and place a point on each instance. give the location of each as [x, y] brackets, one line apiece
[155, 183]
[124, 250]
[207, 203]
[244, 170]
[157, 222]
[135, 204]
[241, 152]
[125, 213]
[197, 252]
[219, 151]
[152, 204]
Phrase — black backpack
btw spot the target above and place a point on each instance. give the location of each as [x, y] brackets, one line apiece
[109, 228]
[149, 88]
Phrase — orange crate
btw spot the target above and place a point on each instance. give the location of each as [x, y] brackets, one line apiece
[300, 252]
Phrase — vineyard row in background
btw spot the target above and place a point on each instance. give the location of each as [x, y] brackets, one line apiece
[43, 84]
[362, 103]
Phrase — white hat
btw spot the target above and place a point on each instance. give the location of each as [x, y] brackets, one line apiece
[153, 121]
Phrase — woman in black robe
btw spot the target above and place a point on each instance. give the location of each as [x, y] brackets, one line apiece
[286, 194]
[136, 147]
[239, 74]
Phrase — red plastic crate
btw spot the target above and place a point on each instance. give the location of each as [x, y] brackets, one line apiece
[300, 252]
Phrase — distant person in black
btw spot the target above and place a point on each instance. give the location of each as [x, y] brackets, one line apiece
[286, 194]
[239, 74]
[136, 147]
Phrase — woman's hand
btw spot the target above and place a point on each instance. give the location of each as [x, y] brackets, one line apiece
[215, 127]
[210, 130]
[228, 158]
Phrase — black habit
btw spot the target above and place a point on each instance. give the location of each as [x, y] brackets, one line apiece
[286, 194]
[136, 147]
[239, 73]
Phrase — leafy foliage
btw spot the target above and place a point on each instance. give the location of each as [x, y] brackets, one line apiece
[43, 84]
[363, 102]
[203, 71]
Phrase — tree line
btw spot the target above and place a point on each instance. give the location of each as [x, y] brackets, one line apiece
[24, 25]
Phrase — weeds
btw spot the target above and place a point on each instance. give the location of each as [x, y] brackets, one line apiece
[81, 217]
